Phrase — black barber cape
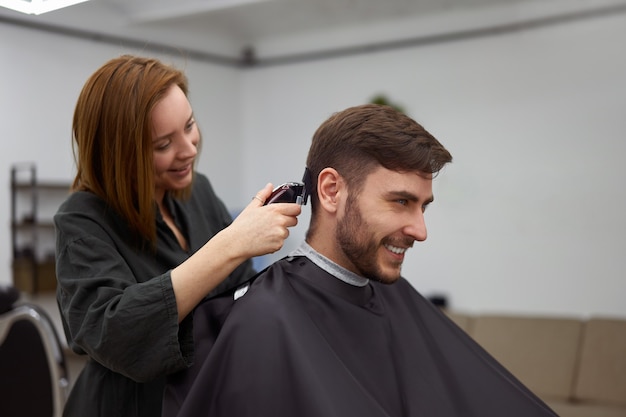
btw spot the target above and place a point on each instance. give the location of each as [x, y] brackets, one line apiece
[301, 343]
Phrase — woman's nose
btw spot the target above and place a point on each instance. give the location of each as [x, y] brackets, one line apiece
[189, 147]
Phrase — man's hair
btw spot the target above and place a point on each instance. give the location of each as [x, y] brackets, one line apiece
[112, 136]
[359, 139]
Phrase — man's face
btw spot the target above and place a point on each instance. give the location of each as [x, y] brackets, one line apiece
[381, 222]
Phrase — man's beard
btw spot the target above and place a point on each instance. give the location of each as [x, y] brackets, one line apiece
[359, 245]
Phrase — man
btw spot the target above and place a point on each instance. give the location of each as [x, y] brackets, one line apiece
[334, 329]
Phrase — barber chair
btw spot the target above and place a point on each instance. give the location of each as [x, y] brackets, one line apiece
[33, 373]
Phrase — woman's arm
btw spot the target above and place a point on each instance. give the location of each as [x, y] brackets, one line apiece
[258, 230]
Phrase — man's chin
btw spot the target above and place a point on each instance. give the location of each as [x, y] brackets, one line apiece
[387, 278]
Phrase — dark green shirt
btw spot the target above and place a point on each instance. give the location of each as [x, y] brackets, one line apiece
[117, 303]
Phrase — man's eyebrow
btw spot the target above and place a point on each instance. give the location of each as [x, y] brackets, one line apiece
[405, 195]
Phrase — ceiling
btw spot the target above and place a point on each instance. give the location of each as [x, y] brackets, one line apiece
[226, 27]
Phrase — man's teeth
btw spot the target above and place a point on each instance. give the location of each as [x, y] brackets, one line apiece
[395, 249]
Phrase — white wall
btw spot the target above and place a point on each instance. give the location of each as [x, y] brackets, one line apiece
[528, 218]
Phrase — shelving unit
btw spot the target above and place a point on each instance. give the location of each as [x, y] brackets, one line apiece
[32, 229]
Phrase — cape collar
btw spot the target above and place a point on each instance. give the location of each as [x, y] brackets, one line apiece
[329, 266]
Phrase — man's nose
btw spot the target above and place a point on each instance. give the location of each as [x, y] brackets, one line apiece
[417, 228]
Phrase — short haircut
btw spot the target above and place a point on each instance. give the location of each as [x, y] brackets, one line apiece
[359, 139]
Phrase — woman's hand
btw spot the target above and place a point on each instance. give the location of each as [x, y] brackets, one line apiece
[260, 229]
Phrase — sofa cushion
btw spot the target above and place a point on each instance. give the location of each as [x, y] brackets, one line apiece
[602, 373]
[571, 409]
[464, 321]
[541, 352]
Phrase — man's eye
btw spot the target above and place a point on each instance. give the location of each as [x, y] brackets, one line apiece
[403, 202]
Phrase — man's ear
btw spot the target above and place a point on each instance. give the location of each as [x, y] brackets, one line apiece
[329, 186]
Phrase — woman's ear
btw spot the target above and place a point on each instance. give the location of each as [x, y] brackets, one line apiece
[329, 189]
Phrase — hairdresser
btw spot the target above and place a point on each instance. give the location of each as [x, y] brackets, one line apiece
[143, 239]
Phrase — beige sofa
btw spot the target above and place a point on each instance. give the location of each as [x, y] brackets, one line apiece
[578, 367]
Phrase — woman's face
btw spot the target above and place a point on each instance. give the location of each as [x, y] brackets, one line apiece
[175, 138]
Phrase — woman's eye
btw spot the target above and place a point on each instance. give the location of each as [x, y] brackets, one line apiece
[162, 146]
[190, 125]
